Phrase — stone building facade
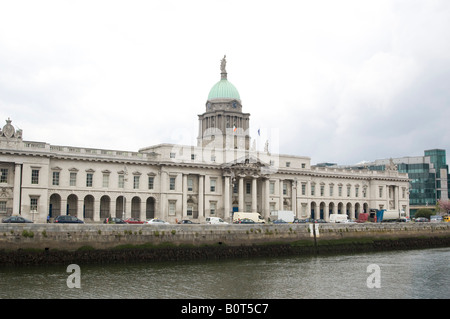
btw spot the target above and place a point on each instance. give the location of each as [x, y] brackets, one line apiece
[222, 174]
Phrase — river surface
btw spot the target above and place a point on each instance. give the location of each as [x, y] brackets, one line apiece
[412, 274]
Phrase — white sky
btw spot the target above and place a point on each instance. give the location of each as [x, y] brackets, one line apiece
[340, 81]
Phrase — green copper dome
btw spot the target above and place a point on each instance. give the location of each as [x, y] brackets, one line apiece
[224, 90]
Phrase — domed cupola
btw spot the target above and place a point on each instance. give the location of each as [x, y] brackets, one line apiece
[223, 95]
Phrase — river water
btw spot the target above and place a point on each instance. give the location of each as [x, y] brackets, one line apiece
[423, 274]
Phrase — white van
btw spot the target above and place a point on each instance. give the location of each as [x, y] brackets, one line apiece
[215, 220]
[338, 218]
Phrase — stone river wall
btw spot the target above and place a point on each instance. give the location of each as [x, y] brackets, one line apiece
[101, 243]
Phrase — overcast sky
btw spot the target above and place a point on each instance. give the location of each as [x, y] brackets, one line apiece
[339, 81]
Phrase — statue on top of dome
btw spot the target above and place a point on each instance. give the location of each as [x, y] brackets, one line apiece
[223, 64]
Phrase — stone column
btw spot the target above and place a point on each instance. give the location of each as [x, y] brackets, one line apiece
[294, 197]
[266, 199]
[226, 198]
[254, 194]
[96, 212]
[201, 182]
[80, 205]
[281, 196]
[17, 189]
[241, 193]
[112, 207]
[184, 199]
[142, 210]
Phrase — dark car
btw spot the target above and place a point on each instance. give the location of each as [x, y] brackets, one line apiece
[245, 221]
[186, 221]
[300, 221]
[421, 220]
[16, 219]
[67, 219]
[114, 220]
[279, 221]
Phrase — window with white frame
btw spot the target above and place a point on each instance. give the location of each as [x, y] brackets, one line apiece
[136, 179]
[73, 179]
[105, 182]
[121, 181]
[212, 208]
[172, 183]
[3, 175]
[55, 178]
[89, 179]
[33, 203]
[151, 181]
[213, 185]
[172, 207]
[35, 176]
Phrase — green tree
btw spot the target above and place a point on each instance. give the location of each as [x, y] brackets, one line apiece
[424, 212]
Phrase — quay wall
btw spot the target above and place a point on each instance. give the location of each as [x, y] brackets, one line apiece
[53, 243]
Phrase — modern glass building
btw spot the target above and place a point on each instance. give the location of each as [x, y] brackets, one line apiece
[428, 174]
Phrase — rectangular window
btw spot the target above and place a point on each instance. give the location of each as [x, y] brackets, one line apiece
[213, 185]
[356, 191]
[73, 179]
[121, 183]
[4, 175]
[189, 211]
[136, 179]
[284, 189]
[248, 188]
[190, 183]
[3, 207]
[340, 191]
[348, 191]
[303, 189]
[313, 190]
[172, 207]
[151, 182]
[105, 182]
[272, 207]
[33, 203]
[288, 164]
[172, 184]
[35, 176]
[380, 191]
[212, 208]
[172, 155]
[272, 188]
[331, 190]
[55, 178]
[322, 190]
[89, 179]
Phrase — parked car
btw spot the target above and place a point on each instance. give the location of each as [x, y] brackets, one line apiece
[186, 221]
[133, 221]
[16, 219]
[67, 219]
[156, 221]
[320, 221]
[421, 220]
[300, 221]
[245, 221]
[279, 221]
[114, 220]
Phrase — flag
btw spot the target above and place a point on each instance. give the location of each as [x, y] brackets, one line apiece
[234, 128]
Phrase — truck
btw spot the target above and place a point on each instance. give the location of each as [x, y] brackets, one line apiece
[256, 217]
[286, 215]
[338, 218]
[370, 216]
[390, 215]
